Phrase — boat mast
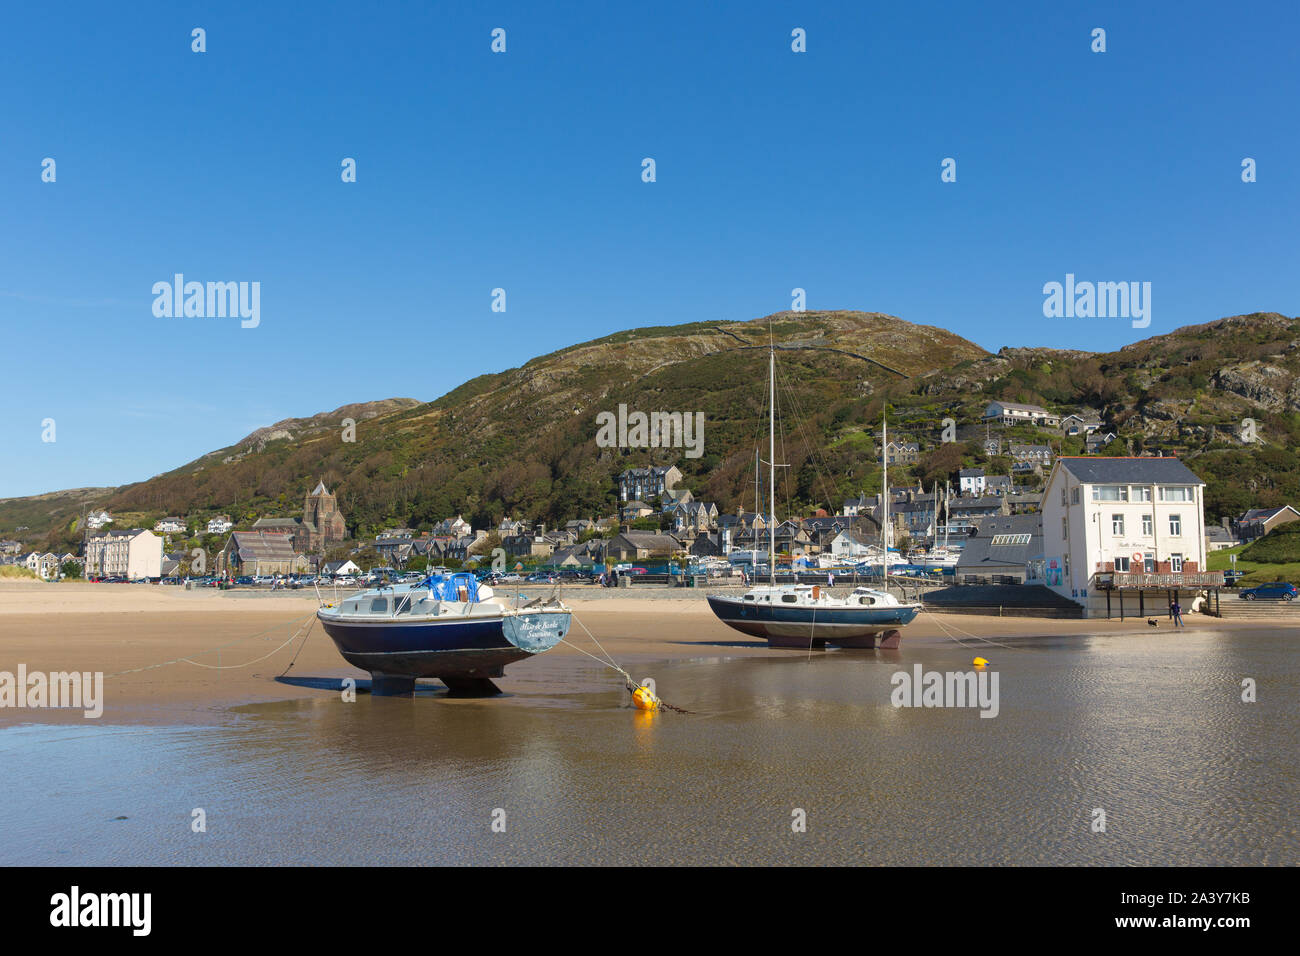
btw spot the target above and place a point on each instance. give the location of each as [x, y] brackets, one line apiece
[884, 494]
[771, 465]
[947, 512]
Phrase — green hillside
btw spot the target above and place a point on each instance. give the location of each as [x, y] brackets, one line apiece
[521, 442]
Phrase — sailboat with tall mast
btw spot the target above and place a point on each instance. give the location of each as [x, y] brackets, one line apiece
[808, 615]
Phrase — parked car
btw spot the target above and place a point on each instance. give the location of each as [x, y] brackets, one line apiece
[1275, 591]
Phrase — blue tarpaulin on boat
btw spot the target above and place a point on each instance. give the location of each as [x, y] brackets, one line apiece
[446, 586]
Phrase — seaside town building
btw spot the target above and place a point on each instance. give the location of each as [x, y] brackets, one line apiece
[971, 481]
[637, 484]
[134, 554]
[1258, 522]
[1005, 549]
[220, 524]
[260, 552]
[320, 526]
[1016, 413]
[1124, 535]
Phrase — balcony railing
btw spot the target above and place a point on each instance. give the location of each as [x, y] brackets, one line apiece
[1170, 579]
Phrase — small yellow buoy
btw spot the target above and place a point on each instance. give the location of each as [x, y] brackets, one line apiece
[642, 699]
[979, 662]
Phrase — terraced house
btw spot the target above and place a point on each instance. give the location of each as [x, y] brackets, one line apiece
[135, 553]
[638, 484]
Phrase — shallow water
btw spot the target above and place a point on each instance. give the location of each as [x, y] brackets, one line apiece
[1150, 729]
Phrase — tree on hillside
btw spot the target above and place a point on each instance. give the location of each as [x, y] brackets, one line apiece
[942, 462]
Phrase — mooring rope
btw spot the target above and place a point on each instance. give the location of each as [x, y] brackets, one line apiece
[943, 628]
[306, 622]
[629, 683]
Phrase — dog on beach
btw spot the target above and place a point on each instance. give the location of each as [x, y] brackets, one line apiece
[1153, 622]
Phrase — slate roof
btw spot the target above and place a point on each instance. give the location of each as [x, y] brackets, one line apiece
[263, 545]
[981, 555]
[1100, 471]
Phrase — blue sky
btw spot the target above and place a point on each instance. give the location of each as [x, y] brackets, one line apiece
[522, 171]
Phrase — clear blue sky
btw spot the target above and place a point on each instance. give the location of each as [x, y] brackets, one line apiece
[523, 171]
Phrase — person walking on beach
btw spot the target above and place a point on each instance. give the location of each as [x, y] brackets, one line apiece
[1176, 611]
[830, 579]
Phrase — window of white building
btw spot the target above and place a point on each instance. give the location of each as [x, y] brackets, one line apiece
[1175, 525]
[1147, 526]
[1117, 524]
[1176, 563]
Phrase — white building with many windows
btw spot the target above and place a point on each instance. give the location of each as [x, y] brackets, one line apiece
[133, 554]
[1125, 534]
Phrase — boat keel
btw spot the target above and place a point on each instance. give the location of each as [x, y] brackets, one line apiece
[403, 685]
[470, 687]
[391, 685]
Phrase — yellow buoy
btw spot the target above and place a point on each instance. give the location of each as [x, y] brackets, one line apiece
[980, 662]
[642, 699]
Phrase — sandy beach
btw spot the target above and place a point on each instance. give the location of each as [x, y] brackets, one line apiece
[176, 656]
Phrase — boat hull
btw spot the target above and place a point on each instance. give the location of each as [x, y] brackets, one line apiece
[462, 653]
[802, 626]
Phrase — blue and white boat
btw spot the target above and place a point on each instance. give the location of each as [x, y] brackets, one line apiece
[448, 626]
[806, 615]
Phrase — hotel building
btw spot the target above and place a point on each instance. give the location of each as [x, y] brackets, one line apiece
[1125, 535]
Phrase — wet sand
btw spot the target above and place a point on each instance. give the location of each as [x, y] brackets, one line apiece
[172, 656]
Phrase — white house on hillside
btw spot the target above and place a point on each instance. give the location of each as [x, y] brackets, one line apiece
[1016, 413]
[971, 481]
[220, 524]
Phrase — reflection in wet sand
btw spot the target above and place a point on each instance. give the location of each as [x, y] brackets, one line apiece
[1153, 731]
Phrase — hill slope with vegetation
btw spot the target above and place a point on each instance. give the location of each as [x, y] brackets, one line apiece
[522, 442]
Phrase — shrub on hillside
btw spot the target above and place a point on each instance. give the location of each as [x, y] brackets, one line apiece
[1279, 546]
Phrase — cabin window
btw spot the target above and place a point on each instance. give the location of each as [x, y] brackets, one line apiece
[788, 598]
[749, 597]
[866, 600]
[379, 606]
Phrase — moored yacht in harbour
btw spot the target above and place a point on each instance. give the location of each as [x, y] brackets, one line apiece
[806, 615]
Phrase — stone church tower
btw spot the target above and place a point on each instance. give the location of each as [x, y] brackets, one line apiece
[322, 522]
